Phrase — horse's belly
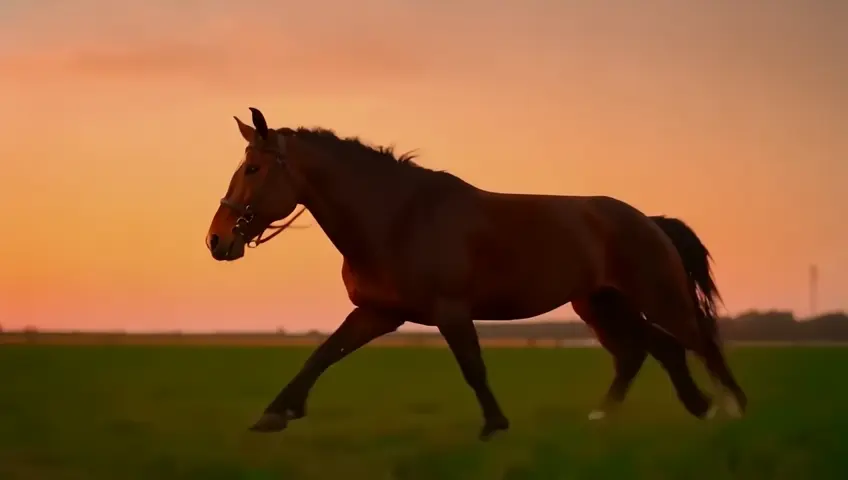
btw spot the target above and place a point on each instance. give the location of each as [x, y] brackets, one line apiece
[505, 308]
[517, 297]
[529, 283]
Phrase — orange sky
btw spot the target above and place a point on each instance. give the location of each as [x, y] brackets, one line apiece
[118, 138]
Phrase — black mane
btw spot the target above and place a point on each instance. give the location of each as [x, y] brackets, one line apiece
[353, 148]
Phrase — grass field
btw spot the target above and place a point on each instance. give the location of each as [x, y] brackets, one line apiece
[160, 412]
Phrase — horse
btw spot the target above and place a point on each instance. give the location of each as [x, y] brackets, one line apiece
[426, 247]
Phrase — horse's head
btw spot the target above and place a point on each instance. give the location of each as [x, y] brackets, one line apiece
[262, 190]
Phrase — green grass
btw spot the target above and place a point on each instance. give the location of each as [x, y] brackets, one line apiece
[159, 412]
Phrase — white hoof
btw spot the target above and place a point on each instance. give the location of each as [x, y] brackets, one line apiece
[711, 413]
[597, 414]
[731, 406]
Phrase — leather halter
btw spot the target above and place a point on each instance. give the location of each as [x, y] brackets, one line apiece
[247, 214]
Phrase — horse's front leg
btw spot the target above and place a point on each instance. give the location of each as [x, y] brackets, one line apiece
[360, 327]
[457, 327]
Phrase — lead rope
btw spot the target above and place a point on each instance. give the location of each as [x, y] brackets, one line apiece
[277, 230]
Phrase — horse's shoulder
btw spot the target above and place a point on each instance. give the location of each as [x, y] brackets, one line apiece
[436, 207]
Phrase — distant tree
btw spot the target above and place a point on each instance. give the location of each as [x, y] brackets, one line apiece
[30, 334]
[773, 325]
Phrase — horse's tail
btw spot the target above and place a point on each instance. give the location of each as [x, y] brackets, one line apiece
[696, 261]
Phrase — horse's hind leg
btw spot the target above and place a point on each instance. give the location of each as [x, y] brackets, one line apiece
[629, 338]
[737, 401]
[605, 313]
[672, 356]
[673, 310]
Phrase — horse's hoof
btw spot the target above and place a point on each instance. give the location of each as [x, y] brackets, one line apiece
[295, 413]
[492, 427]
[597, 414]
[732, 407]
[701, 407]
[270, 422]
[711, 412]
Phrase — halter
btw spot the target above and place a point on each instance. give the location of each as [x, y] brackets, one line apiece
[247, 214]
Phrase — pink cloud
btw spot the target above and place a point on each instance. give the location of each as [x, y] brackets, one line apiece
[225, 48]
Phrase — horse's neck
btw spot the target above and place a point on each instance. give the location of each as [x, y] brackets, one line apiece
[355, 212]
[339, 224]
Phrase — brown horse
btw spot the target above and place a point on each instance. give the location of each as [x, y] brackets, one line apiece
[427, 247]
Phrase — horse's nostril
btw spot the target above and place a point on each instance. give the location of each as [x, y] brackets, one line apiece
[213, 241]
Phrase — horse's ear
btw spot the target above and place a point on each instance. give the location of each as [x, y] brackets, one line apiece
[260, 123]
[246, 130]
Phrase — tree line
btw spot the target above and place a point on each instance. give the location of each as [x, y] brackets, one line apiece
[752, 326]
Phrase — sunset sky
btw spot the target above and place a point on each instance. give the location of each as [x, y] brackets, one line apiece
[118, 138]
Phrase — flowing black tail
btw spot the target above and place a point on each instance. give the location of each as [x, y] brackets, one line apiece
[696, 261]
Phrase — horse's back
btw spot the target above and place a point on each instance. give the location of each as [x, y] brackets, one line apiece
[533, 253]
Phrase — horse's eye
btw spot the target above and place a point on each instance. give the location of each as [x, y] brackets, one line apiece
[251, 169]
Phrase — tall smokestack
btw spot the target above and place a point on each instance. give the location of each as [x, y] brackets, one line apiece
[814, 287]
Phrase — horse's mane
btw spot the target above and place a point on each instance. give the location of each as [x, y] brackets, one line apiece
[353, 149]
